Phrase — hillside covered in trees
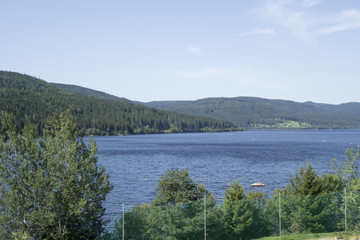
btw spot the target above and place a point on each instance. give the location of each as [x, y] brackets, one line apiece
[33, 100]
[89, 92]
[259, 113]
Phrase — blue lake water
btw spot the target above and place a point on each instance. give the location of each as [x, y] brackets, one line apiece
[135, 163]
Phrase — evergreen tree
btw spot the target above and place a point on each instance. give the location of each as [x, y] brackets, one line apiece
[51, 188]
[253, 195]
[234, 192]
[243, 217]
[306, 202]
[238, 219]
[176, 186]
[305, 182]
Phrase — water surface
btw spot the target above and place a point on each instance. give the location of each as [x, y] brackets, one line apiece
[135, 163]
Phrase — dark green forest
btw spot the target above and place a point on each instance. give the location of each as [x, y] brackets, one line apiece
[259, 113]
[33, 100]
[89, 92]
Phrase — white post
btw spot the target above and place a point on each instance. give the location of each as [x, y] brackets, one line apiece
[280, 215]
[345, 208]
[123, 225]
[204, 216]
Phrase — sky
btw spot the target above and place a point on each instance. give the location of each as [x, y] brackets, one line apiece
[300, 50]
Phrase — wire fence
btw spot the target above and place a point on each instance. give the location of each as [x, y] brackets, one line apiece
[278, 215]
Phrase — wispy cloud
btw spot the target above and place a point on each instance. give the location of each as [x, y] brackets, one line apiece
[193, 49]
[303, 22]
[265, 31]
[345, 20]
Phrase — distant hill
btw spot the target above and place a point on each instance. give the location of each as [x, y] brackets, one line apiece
[34, 100]
[250, 112]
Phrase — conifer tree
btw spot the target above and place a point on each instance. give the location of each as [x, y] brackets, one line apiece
[305, 182]
[52, 187]
[176, 186]
[234, 192]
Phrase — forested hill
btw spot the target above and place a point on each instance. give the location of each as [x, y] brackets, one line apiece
[34, 100]
[89, 92]
[250, 112]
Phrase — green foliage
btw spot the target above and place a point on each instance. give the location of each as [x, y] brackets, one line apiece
[20, 236]
[252, 195]
[330, 183]
[352, 211]
[249, 112]
[234, 192]
[238, 216]
[304, 183]
[176, 186]
[244, 219]
[348, 173]
[305, 214]
[248, 219]
[244, 216]
[7, 125]
[348, 170]
[51, 188]
[309, 204]
[177, 222]
[33, 100]
[88, 92]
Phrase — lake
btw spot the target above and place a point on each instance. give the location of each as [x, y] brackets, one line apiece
[135, 163]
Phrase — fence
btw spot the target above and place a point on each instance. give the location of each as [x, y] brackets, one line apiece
[278, 215]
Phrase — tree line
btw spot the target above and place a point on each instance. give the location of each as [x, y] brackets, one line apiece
[310, 203]
[250, 112]
[32, 100]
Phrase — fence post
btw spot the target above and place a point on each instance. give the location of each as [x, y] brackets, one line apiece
[123, 221]
[204, 216]
[345, 208]
[280, 215]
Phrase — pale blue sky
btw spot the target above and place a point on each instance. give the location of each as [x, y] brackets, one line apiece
[185, 50]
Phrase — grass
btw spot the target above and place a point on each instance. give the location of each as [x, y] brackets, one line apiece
[309, 236]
